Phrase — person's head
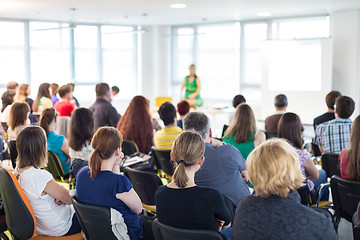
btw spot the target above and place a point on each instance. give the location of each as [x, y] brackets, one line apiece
[31, 148]
[7, 99]
[54, 87]
[344, 107]
[289, 128]
[243, 126]
[103, 91]
[81, 128]
[23, 90]
[281, 102]
[19, 113]
[107, 144]
[115, 90]
[274, 169]
[192, 70]
[72, 87]
[12, 86]
[188, 152]
[183, 107]
[48, 116]
[43, 92]
[330, 99]
[65, 92]
[167, 113]
[199, 122]
[238, 99]
[353, 168]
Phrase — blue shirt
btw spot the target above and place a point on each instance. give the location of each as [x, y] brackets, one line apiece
[102, 192]
[54, 144]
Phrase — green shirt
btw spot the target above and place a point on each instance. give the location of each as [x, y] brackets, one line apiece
[245, 147]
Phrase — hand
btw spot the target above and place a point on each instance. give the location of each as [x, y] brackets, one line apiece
[220, 224]
[192, 96]
[215, 142]
[58, 202]
[245, 176]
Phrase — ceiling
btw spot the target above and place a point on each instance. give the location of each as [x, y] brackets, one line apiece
[158, 12]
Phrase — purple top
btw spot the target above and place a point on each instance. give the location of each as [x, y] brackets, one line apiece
[54, 99]
[304, 156]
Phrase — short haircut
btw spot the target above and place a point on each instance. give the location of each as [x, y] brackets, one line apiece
[345, 106]
[281, 101]
[54, 88]
[198, 122]
[331, 98]
[183, 108]
[11, 85]
[274, 169]
[72, 86]
[115, 89]
[63, 90]
[238, 99]
[102, 89]
[167, 113]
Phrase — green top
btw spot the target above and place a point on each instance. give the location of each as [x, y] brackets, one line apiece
[245, 147]
[190, 88]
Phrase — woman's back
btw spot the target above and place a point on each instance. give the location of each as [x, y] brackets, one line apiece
[244, 147]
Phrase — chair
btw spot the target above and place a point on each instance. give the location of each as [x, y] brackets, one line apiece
[225, 127]
[346, 196]
[308, 198]
[20, 217]
[331, 164]
[62, 125]
[129, 147]
[270, 135]
[165, 232]
[94, 220]
[4, 126]
[163, 161]
[161, 100]
[145, 185]
[55, 168]
[356, 229]
[13, 152]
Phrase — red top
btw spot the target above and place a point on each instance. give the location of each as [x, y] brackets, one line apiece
[64, 108]
[344, 161]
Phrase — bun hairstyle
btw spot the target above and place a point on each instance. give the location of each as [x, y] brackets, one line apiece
[105, 141]
[187, 150]
[47, 116]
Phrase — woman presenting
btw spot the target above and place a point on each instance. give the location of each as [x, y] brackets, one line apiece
[192, 86]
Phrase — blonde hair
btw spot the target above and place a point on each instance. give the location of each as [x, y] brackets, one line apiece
[274, 169]
[187, 150]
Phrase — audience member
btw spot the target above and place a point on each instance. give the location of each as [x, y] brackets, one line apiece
[102, 184]
[73, 99]
[274, 211]
[329, 115]
[350, 157]
[104, 113]
[43, 99]
[54, 87]
[183, 108]
[333, 136]
[12, 86]
[271, 122]
[182, 203]
[55, 143]
[237, 100]
[51, 202]
[224, 168]
[115, 90]
[22, 95]
[80, 134]
[7, 100]
[137, 125]
[63, 106]
[165, 137]
[18, 119]
[242, 132]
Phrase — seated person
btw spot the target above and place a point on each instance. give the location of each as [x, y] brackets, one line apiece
[274, 211]
[43, 98]
[329, 115]
[349, 157]
[115, 91]
[183, 108]
[237, 100]
[55, 143]
[224, 168]
[177, 203]
[7, 100]
[101, 183]
[73, 99]
[18, 119]
[164, 138]
[242, 132]
[63, 106]
[333, 136]
[271, 122]
[54, 88]
[55, 216]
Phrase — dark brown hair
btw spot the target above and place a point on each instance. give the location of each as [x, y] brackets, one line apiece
[238, 99]
[101, 89]
[137, 125]
[63, 90]
[81, 128]
[183, 107]
[105, 141]
[47, 116]
[289, 128]
[331, 97]
[7, 99]
[31, 147]
[353, 167]
[18, 114]
[43, 92]
[345, 106]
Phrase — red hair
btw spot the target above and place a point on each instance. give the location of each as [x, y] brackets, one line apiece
[137, 125]
[183, 108]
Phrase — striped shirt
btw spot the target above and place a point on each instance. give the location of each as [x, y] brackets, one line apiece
[333, 136]
[165, 137]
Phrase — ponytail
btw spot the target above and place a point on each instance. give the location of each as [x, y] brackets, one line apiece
[47, 116]
[180, 178]
[95, 163]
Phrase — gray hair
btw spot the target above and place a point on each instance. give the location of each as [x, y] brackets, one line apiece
[198, 122]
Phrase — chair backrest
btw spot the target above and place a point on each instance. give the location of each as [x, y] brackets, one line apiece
[165, 232]
[20, 217]
[62, 125]
[161, 100]
[270, 135]
[305, 196]
[54, 165]
[225, 127]
[163, 160]
[13, 152]
[346, 196]
[145, 184]
[4, 126]
[129, 147]
[331, 164]
[94, 220]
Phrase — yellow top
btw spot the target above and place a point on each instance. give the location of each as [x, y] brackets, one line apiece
[165, 137]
